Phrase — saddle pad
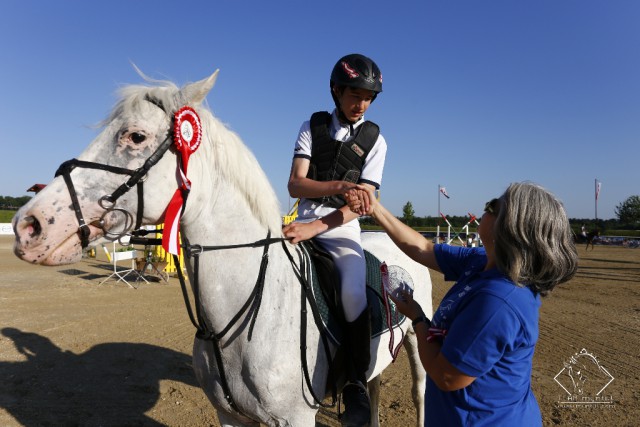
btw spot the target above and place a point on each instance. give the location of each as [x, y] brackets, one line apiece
[375, 299]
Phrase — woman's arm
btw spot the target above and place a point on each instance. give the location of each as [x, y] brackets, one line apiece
[446, 376]
[412, 243]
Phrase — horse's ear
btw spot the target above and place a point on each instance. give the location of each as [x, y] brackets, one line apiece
[195, 93]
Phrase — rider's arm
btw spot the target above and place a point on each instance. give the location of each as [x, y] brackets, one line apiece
[301, 186]
[297, 231]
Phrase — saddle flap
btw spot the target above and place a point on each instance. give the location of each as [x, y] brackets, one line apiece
[325, 284]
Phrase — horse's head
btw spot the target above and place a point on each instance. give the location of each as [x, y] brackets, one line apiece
[100, 194]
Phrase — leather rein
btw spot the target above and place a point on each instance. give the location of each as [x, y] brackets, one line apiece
[255, 298]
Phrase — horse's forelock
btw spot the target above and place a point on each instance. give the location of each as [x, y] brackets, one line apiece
[131, 96]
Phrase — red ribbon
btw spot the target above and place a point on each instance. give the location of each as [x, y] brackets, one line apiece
[187, 135]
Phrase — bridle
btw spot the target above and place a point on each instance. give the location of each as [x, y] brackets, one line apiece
[108, 201]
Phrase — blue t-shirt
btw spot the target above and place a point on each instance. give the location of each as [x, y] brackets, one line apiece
[492, 329]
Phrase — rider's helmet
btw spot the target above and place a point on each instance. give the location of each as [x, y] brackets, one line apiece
[356, 71]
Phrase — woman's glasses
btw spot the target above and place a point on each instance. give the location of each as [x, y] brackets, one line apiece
[492, 206]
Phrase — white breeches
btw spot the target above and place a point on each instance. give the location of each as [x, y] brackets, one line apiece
[344, 246]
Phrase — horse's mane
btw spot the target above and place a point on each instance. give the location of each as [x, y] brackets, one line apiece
[222, 148]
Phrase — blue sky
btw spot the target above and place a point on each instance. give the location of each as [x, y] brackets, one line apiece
[477, 94]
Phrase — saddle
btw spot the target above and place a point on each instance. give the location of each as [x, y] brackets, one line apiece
[322, 275]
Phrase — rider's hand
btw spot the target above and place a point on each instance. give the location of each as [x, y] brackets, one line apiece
[360, 200]
[353, 200]
[299, 231]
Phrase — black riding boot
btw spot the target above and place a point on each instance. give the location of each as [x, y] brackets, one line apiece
[357, 409]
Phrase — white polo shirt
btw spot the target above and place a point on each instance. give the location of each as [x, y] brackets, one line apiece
[372, 169]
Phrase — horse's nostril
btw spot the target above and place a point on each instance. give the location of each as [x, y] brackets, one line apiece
[33, 226]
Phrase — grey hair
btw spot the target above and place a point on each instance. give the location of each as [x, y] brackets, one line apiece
[533, 240]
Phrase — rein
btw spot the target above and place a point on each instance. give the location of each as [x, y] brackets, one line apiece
[255, 298]
[202, 330]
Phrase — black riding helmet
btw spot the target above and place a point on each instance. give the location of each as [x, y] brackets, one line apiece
[356, 71]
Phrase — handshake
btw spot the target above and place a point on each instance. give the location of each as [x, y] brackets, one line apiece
[361, 200]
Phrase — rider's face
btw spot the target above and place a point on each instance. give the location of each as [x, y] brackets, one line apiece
[354, 102]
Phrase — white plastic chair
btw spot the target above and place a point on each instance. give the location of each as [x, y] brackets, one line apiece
[121, 274]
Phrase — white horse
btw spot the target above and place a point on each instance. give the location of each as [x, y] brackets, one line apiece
[231, 204]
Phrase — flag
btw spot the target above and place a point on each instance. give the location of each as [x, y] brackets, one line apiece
[598, 183]
[444, 192]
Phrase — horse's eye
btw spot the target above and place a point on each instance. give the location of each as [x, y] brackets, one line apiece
[137, 137]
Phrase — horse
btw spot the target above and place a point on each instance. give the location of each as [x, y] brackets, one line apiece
[259, 371]
[591, 237]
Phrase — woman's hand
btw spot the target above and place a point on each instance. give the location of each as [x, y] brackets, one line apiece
[360, 200]
[407, 305]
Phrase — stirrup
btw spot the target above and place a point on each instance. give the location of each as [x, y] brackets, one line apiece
[357, 408]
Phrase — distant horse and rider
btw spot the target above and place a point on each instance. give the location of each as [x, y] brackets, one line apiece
[588, 237]
[592, 236]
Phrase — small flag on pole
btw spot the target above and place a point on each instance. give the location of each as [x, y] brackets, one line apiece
[598, 184]
[444, 192]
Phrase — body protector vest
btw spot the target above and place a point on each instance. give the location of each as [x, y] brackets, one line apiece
[336, 160]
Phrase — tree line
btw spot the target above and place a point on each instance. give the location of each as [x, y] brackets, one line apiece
[13, 203]
[627, 213]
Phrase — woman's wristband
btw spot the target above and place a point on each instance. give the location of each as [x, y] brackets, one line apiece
[421, 318]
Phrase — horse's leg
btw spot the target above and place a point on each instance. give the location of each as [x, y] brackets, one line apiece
[418, 374]
[374, 398]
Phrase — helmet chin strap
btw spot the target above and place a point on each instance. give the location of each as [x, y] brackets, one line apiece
[341, 115]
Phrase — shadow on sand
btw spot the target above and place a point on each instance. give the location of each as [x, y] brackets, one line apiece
[111, 384]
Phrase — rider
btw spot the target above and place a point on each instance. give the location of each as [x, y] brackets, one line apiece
[333, 153]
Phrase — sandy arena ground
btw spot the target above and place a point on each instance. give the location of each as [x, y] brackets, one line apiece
[75, 353]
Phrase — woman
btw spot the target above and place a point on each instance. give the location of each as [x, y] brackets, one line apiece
[478, 349]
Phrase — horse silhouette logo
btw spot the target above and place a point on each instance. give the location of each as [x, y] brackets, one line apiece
[583, 375]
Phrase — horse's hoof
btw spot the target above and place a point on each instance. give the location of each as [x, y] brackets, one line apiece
[357, 410]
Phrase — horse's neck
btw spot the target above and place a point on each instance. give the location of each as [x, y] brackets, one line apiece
[220, 216]
[227, 277]
[231, 190]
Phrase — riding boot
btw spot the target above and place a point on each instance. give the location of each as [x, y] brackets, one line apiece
[357, 411]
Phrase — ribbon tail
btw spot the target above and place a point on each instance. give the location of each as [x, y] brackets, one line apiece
[171, 235]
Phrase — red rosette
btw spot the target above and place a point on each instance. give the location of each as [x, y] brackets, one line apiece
[187, 130]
